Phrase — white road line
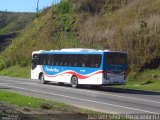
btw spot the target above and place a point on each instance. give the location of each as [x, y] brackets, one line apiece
[4, 83]
[152, 101]
[82, 99]
[120, 96]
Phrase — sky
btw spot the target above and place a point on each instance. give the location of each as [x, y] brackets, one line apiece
[24, 5]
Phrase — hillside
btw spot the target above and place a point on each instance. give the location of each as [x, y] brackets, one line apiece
[6, 39]
[10, 21]
[10, 24]
[123, 25]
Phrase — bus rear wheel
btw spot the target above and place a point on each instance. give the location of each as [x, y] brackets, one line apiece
[74, 82]
[42, 80]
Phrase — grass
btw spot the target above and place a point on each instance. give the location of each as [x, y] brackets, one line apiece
[31, 102]
[36, 103]
[147, 80]
[16, 71]
[19, 100]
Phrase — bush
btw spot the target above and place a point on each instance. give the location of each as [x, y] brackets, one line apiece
[2, 66]
[90, 6]
[24, 63]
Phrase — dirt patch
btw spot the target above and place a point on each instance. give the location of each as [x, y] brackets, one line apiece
[10, 112]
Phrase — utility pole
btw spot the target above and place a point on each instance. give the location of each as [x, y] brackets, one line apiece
[37, 7]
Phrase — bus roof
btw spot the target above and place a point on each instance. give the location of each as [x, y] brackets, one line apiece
[75, 51]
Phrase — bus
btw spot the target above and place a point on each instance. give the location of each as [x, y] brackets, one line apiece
[76, 66]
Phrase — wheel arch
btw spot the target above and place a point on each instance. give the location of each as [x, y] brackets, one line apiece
[74, 82]
[41, 73]
[74, 76]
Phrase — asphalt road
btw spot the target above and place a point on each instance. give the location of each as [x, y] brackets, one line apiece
[107, 99]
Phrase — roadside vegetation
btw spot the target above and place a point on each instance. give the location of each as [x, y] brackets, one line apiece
[148, 80]
[34, 103]
[122, 25]
[16, 71]
[16, 106]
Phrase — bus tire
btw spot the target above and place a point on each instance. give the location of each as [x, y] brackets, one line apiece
[42, 80]
[74, 82]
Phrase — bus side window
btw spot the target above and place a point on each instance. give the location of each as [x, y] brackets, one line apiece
[45, 59]
[34, 63]
[89, 61]
[49, 59]
[83, 64]
[71, 60]
[75, 64]
[63, 58]
[61, 63]
[52, 60]
[59, 60]
[56, 63]
[65, 63]
[55, 60]
[96, 61]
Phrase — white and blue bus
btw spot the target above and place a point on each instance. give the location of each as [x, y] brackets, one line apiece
[80, 67]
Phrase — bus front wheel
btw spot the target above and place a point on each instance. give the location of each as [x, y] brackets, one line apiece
[42, 80]
[74, 82]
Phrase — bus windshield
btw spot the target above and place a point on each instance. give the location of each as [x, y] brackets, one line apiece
[116, 58]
